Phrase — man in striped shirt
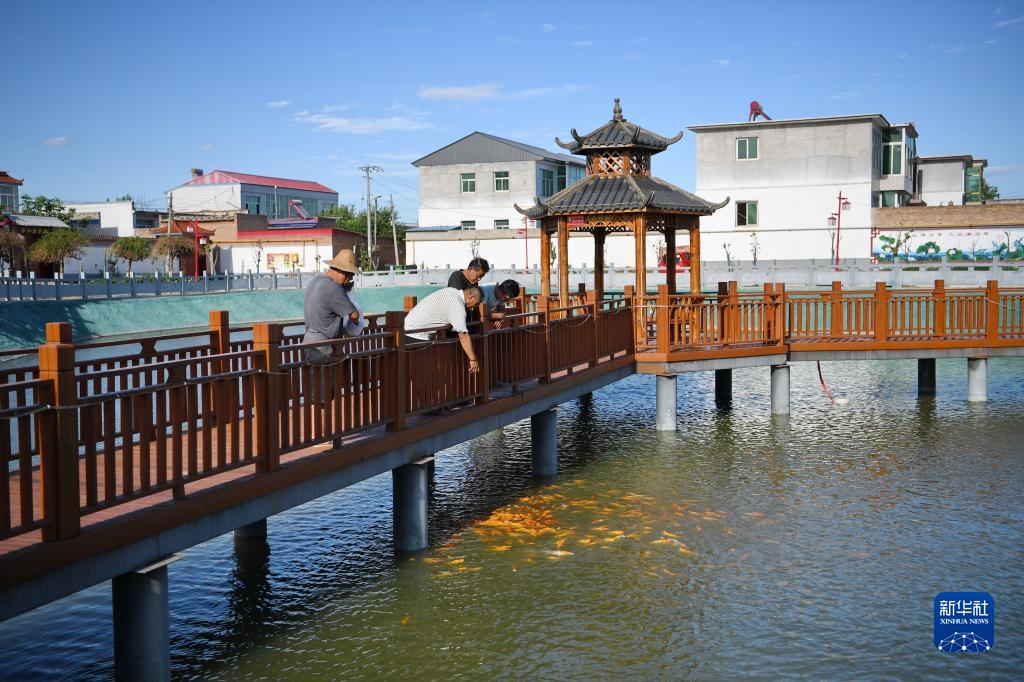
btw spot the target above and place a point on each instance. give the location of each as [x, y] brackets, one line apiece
[446, 306]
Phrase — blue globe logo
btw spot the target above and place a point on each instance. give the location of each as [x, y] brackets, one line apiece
[964, 643]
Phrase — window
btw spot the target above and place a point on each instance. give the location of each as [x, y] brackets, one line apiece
[576, 173]
[252, 204]
[560, 182]
[469, 182]
[889, 200]
[468, 224]
[746, 213]
[972, 185]
[746, 148]
[892, 152]
[547, 182]
[500, 224]
[7, 200]
[501, 181]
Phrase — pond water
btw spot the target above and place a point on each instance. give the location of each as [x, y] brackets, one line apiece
[740, 545]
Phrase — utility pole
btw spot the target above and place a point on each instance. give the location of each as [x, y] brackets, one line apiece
[368, 172]
[394, 228]
[170, 221]
[375, 212]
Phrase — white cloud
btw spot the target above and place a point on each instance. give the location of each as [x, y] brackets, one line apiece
[469, 93]
[904, 56]
[583, 43]
[278, 104]
[992, 41]
[58, 141]
[723, 62]
[1007, 22]
[956, 49]
[336, 107]
[207, 147]
[547, 28]
[476, 93]
[359, 126]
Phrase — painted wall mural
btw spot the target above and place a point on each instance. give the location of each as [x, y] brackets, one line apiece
[954, 243]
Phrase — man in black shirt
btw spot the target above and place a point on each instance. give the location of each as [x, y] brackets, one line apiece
[471, 276]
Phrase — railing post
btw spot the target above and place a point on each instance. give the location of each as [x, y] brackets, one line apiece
[734, 311]
[59, 501]
[82, 282]
[181, 282]
[780, 312]
[106, 279]
[662, 318]
[628, 294]
[939, 311]
[274, 278]
[484, 356]
[544, 310]
[881, 312]
[767, 313]
[206, 282]
[156, 285]
[836, 309]
[723, 312]
[595, 311]
[992, 310]
[56, 285]
[220, 343]
[394, 323]
[409, 303]
[266, 340]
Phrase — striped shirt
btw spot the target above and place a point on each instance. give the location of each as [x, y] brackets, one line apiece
[444, 306]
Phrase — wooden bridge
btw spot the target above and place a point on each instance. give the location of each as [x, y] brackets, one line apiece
[121, 453]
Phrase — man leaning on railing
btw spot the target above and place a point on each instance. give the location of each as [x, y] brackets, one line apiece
[329, 312]
[446, 306]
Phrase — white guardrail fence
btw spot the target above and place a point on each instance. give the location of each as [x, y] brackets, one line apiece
[804, 275]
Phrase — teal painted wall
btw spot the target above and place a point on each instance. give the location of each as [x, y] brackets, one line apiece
[22, 325]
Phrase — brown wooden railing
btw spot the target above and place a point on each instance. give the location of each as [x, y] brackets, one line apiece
[81, 436]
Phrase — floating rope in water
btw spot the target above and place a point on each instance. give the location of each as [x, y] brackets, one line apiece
[821, 377]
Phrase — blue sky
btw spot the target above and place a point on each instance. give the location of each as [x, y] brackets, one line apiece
[108, 98]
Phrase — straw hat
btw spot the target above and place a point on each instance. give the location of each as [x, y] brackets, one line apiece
[345, 261]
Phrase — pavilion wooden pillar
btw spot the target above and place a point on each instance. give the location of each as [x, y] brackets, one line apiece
[563, 262]
[640, 242]
[545, 261]
[599, 263]
[670, 256]
[695, 255]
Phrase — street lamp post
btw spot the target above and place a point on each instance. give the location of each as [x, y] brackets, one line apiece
[836, 220]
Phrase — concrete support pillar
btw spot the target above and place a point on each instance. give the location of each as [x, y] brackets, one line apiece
[666, 388]
[926, 376]
[257, 530]
[544, 442]
[409, 488]
[780, 389]
[723, 387]
[142, 624]
[977, 380]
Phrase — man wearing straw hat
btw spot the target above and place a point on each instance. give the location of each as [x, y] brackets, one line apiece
[327, 307]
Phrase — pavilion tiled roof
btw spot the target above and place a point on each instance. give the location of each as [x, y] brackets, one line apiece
[597, 193]
[618, 133]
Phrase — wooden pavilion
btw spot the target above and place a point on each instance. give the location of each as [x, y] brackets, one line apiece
[619, 194]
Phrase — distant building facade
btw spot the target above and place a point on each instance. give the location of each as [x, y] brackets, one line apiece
[785, 177]
[473, 183]
[253, 194]
[9, 201]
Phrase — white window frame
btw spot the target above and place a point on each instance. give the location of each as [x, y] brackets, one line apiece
[506, 178]
[468, 224]
[757, 149]
[757, 220]
[468, 180]
[543, 180]
[889, 153]
[502, 227]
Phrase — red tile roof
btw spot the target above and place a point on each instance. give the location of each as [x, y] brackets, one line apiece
[219, 177]
[8, 180]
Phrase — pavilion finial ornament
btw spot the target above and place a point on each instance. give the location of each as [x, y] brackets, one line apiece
[617, 111]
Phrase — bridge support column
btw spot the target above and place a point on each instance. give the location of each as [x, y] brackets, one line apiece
[142, 618]
[257, 530]
[409, 488]
[544, 442]
[977, 380]
[723, 387]
[780, 389]
[666, 391]
[926, 376]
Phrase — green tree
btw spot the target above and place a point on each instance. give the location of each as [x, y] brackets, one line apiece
[893, 244]
[132, 249]
[51, 207]
[173, 248]
[58, 246]
[347, 217]
[928, 249]
[988, 192]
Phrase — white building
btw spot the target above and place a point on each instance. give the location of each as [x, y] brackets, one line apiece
[473, 183]
[227, 191]
[9, 202]
[944, 180]
[107, 221]
[785, 178]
